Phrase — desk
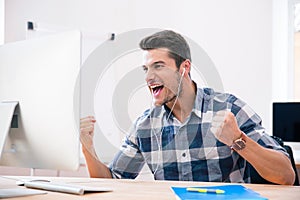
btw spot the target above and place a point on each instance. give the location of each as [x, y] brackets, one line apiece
[144, 190]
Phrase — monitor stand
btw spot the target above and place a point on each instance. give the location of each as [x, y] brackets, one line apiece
[7, 110]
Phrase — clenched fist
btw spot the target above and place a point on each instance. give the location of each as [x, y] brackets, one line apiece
[225, 128]
[87, 131]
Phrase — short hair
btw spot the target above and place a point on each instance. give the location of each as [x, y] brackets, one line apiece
[178, 47]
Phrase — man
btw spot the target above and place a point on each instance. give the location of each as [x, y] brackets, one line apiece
[189, 133]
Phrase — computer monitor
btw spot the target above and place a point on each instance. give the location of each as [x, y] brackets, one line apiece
[286, 121]
[42, 75]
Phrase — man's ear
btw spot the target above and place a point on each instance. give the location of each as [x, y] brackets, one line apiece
[186, 65]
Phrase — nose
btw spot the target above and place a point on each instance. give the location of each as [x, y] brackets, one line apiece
[149, 75]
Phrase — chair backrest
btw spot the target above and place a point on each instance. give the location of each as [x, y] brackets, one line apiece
[256, 178]
[290, 152]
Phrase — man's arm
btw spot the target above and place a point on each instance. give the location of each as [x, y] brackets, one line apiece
[272, 165]
[95, 167]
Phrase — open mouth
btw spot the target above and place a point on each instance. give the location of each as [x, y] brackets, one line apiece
[156, 89]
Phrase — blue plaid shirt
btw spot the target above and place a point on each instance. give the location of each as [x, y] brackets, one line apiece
[189, 151]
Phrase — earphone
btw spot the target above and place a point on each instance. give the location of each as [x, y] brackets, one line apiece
[159, 134]
[183, 72]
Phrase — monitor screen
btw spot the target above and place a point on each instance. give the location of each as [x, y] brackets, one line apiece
[42, 75]
[286, 121]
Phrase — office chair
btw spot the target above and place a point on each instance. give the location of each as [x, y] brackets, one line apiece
[256, 178]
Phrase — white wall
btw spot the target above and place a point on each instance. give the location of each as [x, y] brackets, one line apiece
[1, 22]
[283, 50]
[236, 34]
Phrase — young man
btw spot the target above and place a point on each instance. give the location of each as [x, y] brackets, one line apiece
[190, 133]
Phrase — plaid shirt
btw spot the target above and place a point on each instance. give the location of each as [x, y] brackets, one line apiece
[189, 151]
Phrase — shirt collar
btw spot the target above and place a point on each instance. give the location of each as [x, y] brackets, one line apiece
[198, 105]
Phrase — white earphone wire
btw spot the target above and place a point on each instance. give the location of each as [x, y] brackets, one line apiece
[159, 160]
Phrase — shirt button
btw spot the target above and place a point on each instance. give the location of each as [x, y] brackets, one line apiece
[183, 154]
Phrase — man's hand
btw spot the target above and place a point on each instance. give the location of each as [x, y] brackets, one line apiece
[225, 128]
[87, 132]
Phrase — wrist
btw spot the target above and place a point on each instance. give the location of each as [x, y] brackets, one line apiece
[88, 149]
[239, 143]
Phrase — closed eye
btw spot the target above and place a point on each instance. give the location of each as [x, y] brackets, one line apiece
[145, 69]
[157, 66]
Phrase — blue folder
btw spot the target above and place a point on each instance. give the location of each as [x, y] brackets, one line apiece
[231, 192]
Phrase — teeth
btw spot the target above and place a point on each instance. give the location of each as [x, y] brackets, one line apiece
[154, 86]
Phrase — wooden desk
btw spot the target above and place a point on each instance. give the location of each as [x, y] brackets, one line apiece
[144, 190]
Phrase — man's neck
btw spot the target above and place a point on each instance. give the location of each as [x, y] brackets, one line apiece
[185, 102]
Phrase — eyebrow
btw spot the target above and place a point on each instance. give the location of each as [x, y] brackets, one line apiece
[155, 63]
